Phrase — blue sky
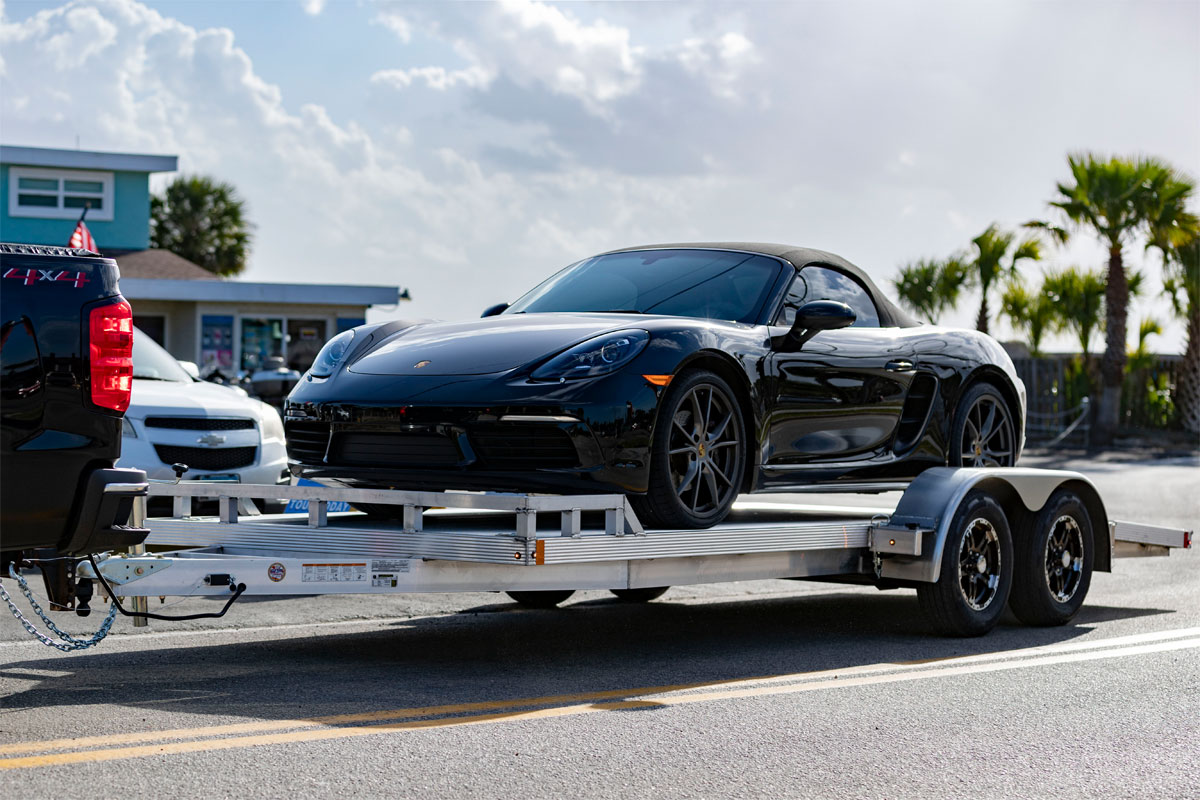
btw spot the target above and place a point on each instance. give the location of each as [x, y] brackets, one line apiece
[465, 151]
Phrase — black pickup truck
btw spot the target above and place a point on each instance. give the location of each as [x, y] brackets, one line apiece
[66, 372]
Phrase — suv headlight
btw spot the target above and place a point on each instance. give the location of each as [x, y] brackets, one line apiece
[331, 355]
[598, 356]
[272, 425]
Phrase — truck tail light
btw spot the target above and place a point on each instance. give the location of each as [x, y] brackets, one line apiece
[110, 329]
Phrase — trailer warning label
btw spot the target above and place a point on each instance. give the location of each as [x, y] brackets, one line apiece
[386, 572]
[334, 573]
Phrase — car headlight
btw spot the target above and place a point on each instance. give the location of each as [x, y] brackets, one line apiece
[127, 428]
[272, 425]
[331, 355]
[598, 356]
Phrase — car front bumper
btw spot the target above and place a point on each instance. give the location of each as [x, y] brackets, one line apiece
[586, 436]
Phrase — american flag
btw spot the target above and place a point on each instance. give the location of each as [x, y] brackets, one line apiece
[82, 237]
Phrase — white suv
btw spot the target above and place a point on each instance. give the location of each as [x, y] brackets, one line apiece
[218, 431]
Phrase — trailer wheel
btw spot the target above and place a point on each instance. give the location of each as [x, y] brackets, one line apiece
[977, 570]
[1054, 562]
[640, 595]
[541, 599]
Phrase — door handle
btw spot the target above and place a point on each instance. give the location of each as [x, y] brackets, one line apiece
[899, 365]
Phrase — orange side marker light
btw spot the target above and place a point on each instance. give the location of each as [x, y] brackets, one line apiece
[659, 380]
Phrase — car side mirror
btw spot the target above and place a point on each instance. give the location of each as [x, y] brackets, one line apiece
[492, 311]
[817, 316]
[191, 369]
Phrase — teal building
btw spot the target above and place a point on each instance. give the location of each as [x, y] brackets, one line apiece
[220, 324]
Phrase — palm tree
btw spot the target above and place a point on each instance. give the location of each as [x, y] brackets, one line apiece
[1182, 284]
[204, 221]
[1079, 297]
[1032, 313]
[929, 287]
[991, 247]
[1119, 199]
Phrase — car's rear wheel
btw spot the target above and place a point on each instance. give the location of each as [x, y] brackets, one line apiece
[698, 454]
[984, 434]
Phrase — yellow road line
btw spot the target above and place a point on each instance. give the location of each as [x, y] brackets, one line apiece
[323, 734]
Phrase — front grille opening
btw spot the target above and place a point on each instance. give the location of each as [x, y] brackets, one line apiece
[391, 449]
[307, 441]
[200, 423]
[519, 447]
[206, 458]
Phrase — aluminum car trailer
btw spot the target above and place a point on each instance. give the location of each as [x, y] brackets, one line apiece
[969, 540]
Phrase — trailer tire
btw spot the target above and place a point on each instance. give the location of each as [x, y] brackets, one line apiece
[1047, 591]
[978, 545]
[541, 598]
[644, 595]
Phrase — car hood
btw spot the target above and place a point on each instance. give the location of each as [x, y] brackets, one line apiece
[197, 399]
[482, 346]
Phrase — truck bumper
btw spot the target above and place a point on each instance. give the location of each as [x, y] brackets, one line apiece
[104, 512]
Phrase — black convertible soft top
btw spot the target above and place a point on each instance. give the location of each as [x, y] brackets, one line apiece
[798, 257]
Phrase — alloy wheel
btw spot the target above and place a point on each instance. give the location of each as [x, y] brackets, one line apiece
[1064, 559]
[979, 564]
[703, 449]
[987, 438]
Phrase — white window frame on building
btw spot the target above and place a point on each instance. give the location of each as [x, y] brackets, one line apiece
[63, 192]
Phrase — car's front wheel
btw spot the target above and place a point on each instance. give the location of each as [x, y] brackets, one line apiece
[698, 454]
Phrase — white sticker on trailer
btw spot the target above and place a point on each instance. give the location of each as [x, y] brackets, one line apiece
[386, 572]
[334, 573]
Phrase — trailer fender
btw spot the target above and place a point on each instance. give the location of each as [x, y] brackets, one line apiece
[932, 498]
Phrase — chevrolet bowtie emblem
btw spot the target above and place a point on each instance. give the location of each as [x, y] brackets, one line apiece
[211, 439]
[420, 364]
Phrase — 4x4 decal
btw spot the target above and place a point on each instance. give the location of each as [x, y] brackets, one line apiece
[32, 276]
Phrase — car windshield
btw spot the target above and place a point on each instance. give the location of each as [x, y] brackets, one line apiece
[151, 362]
[712, 284]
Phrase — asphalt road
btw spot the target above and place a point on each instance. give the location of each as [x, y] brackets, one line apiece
[755, 689]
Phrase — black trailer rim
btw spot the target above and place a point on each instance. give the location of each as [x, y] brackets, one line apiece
[979, 564]
[703, 449]
[1064, 558]
[987, 439]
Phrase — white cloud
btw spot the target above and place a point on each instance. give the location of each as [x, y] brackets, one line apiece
[313, 7]
[438, 78]
[529, 135]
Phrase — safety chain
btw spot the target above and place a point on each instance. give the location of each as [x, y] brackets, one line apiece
[69, 642]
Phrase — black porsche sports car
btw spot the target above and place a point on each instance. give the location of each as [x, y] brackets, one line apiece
[680, 374]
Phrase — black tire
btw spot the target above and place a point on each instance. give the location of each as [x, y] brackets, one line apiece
[978, 545]
[1053, 562]
[640, 595]
[542, 598]
[979, 439]
[697, 456]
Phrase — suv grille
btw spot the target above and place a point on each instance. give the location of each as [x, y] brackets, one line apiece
[519, 447]
[206, 458]
[200, 423]
[394, 449]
